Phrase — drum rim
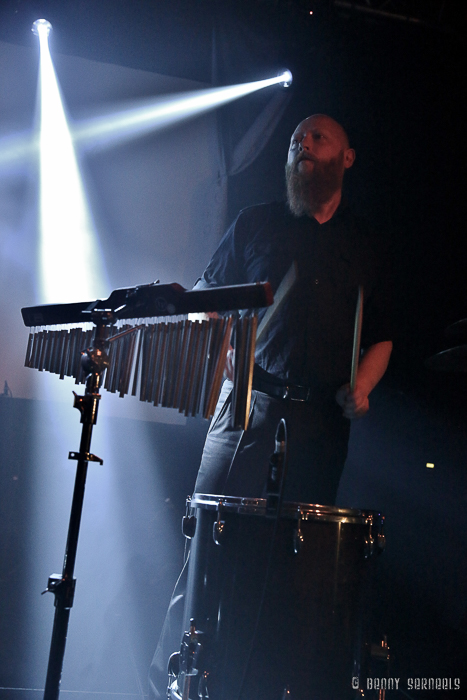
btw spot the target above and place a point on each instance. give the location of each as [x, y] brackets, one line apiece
[289, 509]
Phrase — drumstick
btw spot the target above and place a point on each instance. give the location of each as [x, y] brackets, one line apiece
[284, 288]
[356, 339]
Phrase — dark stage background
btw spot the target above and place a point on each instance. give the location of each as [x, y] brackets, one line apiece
[399, 87]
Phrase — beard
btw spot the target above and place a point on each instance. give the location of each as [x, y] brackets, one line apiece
[306, 192]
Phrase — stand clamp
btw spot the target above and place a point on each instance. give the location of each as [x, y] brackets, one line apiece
[86, 457]
[63, 590]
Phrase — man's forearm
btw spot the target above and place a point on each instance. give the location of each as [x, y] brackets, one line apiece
[370, 370]
[373, 365]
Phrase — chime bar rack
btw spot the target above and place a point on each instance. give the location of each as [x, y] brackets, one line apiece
[153, 300]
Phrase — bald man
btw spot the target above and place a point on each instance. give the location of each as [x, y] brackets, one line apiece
[302, 366]
[303, 363]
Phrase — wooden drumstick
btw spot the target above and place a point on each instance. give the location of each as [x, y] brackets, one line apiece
[356, 338]
[279, 297]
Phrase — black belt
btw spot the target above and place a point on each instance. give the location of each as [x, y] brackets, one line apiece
[293, 392]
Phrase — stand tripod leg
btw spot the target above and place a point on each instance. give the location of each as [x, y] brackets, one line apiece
[57, 653]
[63, 586]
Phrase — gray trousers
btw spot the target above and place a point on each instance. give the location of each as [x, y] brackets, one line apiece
[236, 463]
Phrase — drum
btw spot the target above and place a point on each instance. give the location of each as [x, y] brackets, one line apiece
[279, 605]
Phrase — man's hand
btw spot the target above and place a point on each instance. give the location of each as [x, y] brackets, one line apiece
[370, 370]
[354, 404]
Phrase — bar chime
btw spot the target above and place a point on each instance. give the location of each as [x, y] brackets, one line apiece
[169, 363]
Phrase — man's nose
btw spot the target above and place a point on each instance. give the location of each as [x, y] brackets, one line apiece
[304, 144]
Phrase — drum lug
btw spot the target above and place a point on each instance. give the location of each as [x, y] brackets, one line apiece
[188, 521]
[369, 546]
[381, 542]
[298, 539]
[189, 526]
[203, 686]
[218, 526]
[381, 539]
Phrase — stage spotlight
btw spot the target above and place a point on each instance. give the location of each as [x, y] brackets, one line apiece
[41, 28]
[286, 78]
[136, 119]
[163, 112]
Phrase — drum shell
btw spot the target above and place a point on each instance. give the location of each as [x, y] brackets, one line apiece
[272, 617]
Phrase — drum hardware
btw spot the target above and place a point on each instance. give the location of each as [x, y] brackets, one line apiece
[218, 526]
[373, 545]
[182, 666]
[380, 654]
[369, 541]
[203, 686]
[190, 649]
[188, 521]
[277, 472]
[60, 352]
[298, 538]
[173, 667]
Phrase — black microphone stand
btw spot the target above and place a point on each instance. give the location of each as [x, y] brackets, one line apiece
[94, 361]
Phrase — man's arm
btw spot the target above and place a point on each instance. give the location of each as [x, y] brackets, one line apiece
[371, 368]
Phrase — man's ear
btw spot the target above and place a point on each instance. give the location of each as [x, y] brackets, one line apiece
[349, 157]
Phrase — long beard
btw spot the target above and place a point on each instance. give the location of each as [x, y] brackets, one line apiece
[306, 192]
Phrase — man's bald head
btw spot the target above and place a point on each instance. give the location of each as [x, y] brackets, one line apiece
[324, 131]
[318, 156]
[331, 124]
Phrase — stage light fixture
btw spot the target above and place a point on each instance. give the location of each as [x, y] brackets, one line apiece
[286, 78]
[41, 28]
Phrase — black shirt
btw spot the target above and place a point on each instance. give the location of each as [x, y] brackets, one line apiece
[309, 341]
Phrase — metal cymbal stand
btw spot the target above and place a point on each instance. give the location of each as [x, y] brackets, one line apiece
[94, 361]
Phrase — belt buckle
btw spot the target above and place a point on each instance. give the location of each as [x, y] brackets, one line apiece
[305, 395]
